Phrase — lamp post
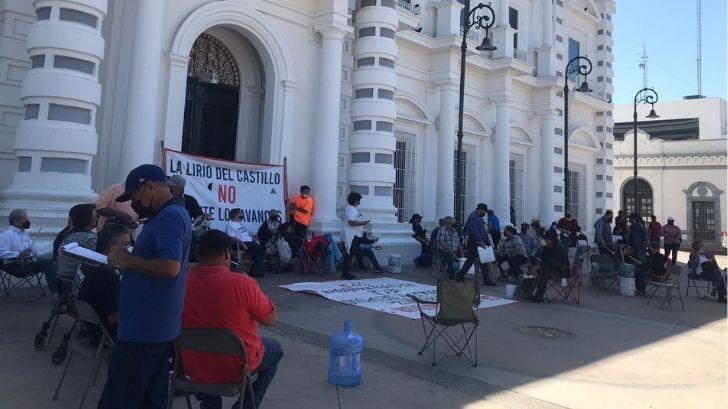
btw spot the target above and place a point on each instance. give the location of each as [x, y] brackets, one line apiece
[583, 66]
[647, 96]
[470, 20]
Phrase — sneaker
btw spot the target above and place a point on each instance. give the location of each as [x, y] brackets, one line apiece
[348, 276]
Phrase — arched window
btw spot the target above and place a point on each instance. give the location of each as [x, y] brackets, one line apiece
[644, 198]
[211, 61]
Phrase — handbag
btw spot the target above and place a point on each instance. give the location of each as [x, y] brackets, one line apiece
[284, 250]
[486, 255]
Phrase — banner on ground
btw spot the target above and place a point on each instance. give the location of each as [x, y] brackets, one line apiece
[383, 294]
[220, 186]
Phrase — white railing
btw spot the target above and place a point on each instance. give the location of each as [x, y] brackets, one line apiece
[520, 55]
[407, 5]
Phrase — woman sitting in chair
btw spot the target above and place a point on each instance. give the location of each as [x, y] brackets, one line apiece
[512, 251]
[702, 266]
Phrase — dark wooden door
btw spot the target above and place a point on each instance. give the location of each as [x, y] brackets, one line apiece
[210, 119]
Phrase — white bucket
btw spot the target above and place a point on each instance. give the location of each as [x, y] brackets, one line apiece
[626, 286]
[395, 263]
[510, 291]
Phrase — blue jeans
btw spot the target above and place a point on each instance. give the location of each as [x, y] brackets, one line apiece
[366, 251]
[138, 376]
[266, 371]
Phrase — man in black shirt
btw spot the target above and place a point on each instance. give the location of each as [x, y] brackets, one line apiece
[553, 262]
[99, 286]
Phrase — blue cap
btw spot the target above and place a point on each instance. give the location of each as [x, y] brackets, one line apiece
[138, 177]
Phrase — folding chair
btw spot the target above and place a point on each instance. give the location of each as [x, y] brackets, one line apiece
[62, 306]
[83, 346]
[667, 288]
[313, 256]
[692, 283]
[16, 268]
[602, 272]
[456, 306]
[570, 291]
[218, 341]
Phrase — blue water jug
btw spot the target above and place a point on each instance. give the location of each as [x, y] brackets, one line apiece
[345, 357]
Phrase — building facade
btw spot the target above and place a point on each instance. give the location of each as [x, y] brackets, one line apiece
[681, 165]
[353, 95]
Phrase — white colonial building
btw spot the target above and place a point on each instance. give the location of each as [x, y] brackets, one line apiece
[353, 95]
[681, 164]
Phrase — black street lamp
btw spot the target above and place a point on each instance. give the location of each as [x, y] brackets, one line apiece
[582, 66]
[470, 20]
[647, 96]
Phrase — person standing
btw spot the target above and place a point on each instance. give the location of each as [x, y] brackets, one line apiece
[301, 208]
[448, 244]
[620, 224]
[354, 224]
[673, 238]
[603, 233]
[494, 227]
[107, 207]
[152, 294]
[637, 242]
[568, 228]
[477, 237]
[420, 234]
[654, 229]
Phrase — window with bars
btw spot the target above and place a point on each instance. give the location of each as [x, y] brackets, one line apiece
[703, 220]
[403, 194]
[515, 175]
[466, 181]
[577, 192]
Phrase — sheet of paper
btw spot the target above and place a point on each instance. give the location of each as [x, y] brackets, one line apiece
[83, 254]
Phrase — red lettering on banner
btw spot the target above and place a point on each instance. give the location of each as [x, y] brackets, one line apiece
[226, 194]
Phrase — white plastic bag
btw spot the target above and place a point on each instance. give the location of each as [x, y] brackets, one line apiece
[486, 255]
[284, 250]
[470, 272]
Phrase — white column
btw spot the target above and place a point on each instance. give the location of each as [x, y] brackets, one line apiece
[445, 149]
[546, 175]
[327, 134]
[545, 58]
[57, 140]
[501, 157]
[448, 17]
[502, 32]
[140, 128]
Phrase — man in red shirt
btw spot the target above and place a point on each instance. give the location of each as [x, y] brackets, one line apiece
[655, 230]
[569, 228]
[217, 298]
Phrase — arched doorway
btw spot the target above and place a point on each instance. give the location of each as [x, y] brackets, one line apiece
[211, 101]
[224, 99]
[644, 198]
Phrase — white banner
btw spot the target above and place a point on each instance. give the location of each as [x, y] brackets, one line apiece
[383, 294]
[220, 185]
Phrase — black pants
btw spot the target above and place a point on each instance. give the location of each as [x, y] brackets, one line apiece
[714, 276]
[673, 247]
[354, 250]
[472, 258]
[496, 236]
[545, 275]
[514, 263]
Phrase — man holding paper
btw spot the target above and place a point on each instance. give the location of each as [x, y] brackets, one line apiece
[152, 293]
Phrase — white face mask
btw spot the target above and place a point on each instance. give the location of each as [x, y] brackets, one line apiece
[543, 242]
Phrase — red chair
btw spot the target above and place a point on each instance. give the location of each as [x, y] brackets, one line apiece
[314, 255]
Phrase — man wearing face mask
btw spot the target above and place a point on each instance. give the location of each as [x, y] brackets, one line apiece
[569, 228]
[301, 208]
[16, 245]
[152, 293]
[603, 233]
[673, 238]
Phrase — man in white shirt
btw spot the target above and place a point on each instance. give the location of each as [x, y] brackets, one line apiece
[236, 229]
[16, 245]
[354, 224]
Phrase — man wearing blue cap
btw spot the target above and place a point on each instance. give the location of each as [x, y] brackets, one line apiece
[152, 293]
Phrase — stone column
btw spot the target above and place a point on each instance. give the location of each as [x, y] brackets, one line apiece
[545, 64]
[502, 32]
[327, 136]
[140, 128]
[56, 142]
[445, 151]
[448, 17]
[546, 175]
[501, 156]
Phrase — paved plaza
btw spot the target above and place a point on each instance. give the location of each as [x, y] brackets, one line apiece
[615, 352]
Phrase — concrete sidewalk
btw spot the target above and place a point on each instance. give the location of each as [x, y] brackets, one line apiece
[613, 352]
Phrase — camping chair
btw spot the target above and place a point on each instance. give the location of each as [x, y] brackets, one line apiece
[570, 291]
[83, 346]
[13, 268]
[456, 306]
[437, 266]
[667, 288]
[602, 273]
[693, 278]
[314, 253]
[218, 341]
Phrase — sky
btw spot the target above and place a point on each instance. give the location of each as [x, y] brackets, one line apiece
[668, 29]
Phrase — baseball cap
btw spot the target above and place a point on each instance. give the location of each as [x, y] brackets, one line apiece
[138, 177]
[671, 218]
